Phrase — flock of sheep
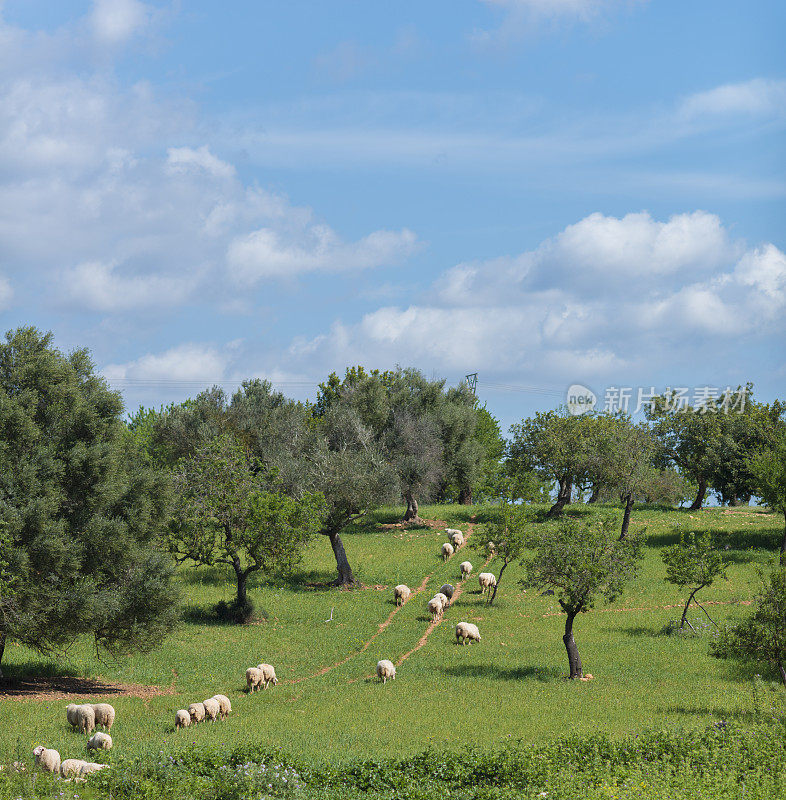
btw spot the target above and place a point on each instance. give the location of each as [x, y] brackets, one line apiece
[465, 631]
[87, 717]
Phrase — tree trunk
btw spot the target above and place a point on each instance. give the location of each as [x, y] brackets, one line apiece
[411, 514]
[574, 659]
[345, 576]
[563, 498]
[465, 496]
[685, 610]
[242, 582]
[2, 650]
[699, 496]
[595, 493]
[782, 672]
[734, 500]
[626, 515]
[496, 585]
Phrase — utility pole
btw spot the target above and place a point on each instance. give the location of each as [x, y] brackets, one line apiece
[472, 381]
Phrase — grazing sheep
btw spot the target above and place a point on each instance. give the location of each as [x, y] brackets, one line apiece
[84, 718]
[443, 598]
[88, 768]
[197, 712]
[105, 716]
[254, 678]
[467, 632]
[435, 608]
[182, 719]
[99, 741]
[268, 675]
[487, 581]
[212, 709]
[447, 551]
[466, 568]
[401, 594]
[47, 759]
[71, 767]
[457, 539]
[447, 589]
[451, 531]
[385, 670]
[226, 706]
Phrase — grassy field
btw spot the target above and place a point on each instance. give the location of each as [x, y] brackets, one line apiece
[328, 707]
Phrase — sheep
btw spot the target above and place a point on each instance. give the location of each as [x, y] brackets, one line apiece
[105, 715]
[466, 568]
[451, 531]
[487, 581]
[268, 675]
[254, 678]
[435, 608]
[443, 598]
[82, 717]
[385, 670]
[447, 551]
[197, 712]
[182, 719]
[99, 741]
[447, 589]
[401, 594]
[89, 767]
[457, 540]
[223, 701]
[212, 709]
[71, 767]
[47, 759]
[467, 632]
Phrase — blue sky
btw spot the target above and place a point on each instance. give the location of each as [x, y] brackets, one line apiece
[545, 192]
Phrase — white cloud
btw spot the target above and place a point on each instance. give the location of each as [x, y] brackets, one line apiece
[581, 9]
[101, 287]
[200, 158]
[267, 253]
[186, 362]
[759, 97]
[115, 21]
[6, 293]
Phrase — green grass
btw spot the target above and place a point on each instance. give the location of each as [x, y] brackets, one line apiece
[508, 687]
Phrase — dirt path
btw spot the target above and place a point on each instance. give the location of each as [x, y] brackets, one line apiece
[63, 688]
[329, 668]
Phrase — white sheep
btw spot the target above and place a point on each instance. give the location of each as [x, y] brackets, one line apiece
[447, 589]
[82, 717]
[451, 531]
[467, 632]
[435, 608]
[254, 678]
[447, 551]
[182, 719]
[487, 581]
[197, 712]
[212, 709]
[401, 594]
[99, 741]
[226, 706]
[47, 759]
[443, 598]
[385, 670]
[105, 715]
[71, 766]
[466, 568]
[457, 539]
[268, 675]
[89, 767]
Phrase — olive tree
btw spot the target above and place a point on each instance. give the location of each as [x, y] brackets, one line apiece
[580, 560]
[768, 469]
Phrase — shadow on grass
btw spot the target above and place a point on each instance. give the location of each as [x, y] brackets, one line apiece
[199, 615]
[741, 714]
[495, 672]
[740, 540]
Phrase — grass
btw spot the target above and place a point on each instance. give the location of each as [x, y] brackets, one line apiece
[506, 688]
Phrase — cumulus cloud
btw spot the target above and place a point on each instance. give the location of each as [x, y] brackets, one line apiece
[267, 253]
[760, 97]
[200, 158]
[186, 362]
[579, 304]
[115, 21]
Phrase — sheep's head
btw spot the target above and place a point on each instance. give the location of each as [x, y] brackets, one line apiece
[38, 750]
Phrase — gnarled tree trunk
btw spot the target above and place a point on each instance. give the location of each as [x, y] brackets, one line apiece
[411, 514]
[345, 576]
[563, 498]
[595, 493]
[699, 496]
[626, 515]
[574, 659]
[465, 496]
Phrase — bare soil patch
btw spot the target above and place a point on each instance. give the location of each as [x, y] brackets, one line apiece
[66, 687]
